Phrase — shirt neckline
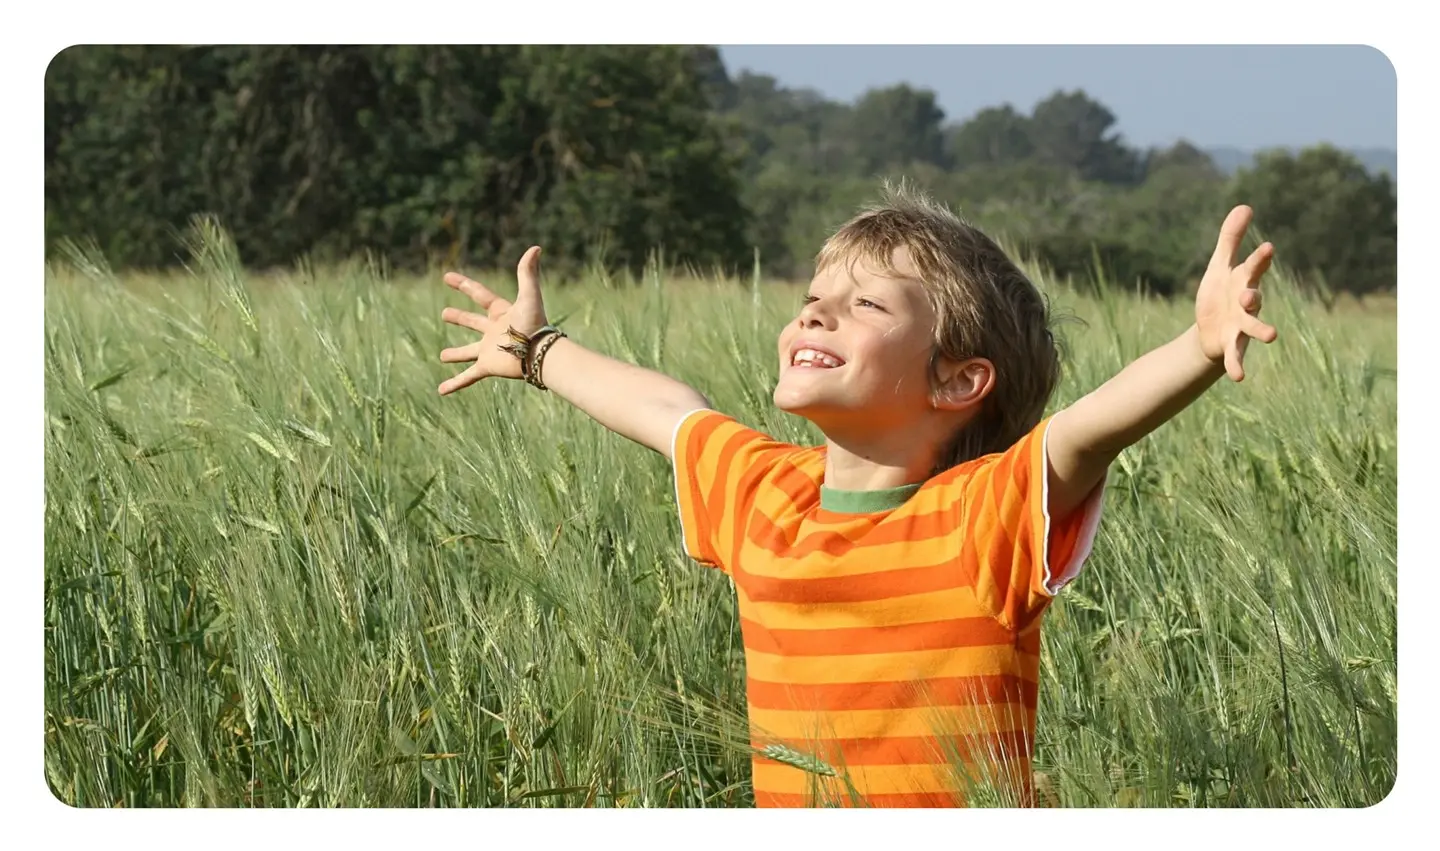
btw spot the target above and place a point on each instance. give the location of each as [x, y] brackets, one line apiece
[865, 501]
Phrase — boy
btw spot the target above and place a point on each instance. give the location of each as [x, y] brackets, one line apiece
[890, 583]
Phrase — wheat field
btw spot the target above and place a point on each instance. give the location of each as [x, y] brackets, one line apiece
[281, 571]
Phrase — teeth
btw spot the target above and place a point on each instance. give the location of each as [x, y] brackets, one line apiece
[805, 356]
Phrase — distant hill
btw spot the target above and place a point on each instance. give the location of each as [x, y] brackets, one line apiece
[1376, 160]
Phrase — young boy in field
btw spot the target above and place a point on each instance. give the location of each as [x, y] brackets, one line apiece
[891, 583]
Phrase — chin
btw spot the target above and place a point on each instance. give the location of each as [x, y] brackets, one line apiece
[804, 405]
[791, 402]
[787, 402]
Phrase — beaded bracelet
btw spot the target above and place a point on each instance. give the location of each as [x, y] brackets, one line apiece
[533, 376]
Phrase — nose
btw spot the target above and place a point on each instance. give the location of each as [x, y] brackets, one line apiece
[816, 314]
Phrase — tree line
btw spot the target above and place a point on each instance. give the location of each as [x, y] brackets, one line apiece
[608, 154]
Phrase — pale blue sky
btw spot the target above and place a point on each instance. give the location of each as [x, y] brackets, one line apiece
[1242, 96]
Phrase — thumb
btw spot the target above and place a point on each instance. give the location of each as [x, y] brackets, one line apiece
[528, 274]
[1232, 233]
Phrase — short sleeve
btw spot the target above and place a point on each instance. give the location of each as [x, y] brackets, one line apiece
[719, 467]
[1019, 555]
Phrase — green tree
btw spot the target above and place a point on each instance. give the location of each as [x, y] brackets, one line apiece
[793, 148]
[286, 145]
[1181, 155]
[798, 127]
[898, 125]
[125, 131]
[1172, 216]
[631, 158]
[1071, 129]
[413, 152]
[993, 135]
[469, 154]
[1329, 218]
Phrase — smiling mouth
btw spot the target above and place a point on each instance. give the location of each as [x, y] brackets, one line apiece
[813, 359]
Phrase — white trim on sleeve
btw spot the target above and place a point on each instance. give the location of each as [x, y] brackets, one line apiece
[675, 471]
[1093, 507]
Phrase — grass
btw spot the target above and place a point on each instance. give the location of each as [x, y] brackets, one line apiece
[281, 571]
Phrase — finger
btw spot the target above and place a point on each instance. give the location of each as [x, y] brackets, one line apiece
[460, 354]
[478, 293]
[528, 274]
[466, 319]
[1250, 299]
[1254, 328]
[1257, 264]
[1234, 357]
[463, 380]
[1232, 233]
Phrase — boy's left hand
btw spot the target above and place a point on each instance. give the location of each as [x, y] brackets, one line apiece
[1229, 297]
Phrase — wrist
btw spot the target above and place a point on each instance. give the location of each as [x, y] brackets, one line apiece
[1211, 366]
[540, 344]
[1194, 341]
[532, 327]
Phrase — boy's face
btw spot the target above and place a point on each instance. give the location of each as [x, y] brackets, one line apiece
[859, 351]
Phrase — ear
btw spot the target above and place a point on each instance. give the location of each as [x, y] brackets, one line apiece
[963, 384]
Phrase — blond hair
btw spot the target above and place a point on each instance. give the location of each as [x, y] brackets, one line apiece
[984, 307]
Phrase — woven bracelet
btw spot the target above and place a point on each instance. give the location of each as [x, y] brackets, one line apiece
[540, 349]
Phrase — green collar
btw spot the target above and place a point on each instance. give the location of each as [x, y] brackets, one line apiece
[865, 502]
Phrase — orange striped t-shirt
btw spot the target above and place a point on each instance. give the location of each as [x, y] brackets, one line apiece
[892, 635]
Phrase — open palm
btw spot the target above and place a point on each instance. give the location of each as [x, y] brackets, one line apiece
[1229, 297]
[526, 315]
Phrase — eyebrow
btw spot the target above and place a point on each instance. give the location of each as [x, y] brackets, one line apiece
[879, 284]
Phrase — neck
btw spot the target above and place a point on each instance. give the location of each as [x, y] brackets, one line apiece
[872, 463]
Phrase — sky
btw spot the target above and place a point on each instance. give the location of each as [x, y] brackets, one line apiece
[1244, 96]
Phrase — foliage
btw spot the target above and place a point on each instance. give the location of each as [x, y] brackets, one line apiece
[419, 154]
[281, 571]
[605, 154]
[1340, 220]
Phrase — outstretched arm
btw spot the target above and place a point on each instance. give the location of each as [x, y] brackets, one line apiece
[1087, 436]
[637, 403]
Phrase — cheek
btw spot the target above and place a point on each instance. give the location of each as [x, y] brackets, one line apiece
[879, 351]
[888, 359]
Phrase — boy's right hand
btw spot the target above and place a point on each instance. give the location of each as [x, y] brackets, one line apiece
[526, 315]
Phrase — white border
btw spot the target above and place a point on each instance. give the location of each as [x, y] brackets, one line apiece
[1401, 37]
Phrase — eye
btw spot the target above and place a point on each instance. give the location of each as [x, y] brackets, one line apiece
[808, 298]
[865, 302]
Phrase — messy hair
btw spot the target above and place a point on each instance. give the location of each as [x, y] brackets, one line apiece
[984, 307]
